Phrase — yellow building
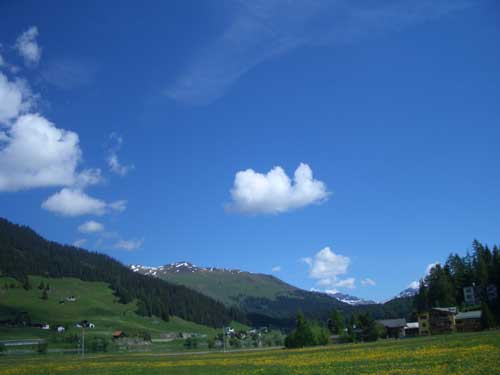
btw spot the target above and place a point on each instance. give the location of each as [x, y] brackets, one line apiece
[437, 320]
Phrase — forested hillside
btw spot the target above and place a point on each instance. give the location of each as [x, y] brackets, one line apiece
[266, 299]
[444, 285]
[23, 252]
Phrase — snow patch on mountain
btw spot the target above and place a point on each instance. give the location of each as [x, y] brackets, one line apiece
[351, 300]
[178, 267]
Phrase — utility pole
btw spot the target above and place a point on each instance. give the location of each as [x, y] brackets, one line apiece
[83, 342]
[224, 338]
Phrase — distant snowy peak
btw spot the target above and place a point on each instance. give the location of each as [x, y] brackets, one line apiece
[178, 267]
[408, 292]
[351, 300]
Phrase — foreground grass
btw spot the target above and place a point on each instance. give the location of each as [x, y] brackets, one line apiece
[467, 354]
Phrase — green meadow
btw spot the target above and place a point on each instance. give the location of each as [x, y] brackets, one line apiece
[95, 302]
[456, 354]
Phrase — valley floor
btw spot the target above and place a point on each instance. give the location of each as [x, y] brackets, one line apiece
[457, 354]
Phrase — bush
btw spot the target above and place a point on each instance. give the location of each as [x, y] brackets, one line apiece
[99, 344]
[146, 336]
[301, 336]
[2, 348]
[191, 343]
[234, 342]
[211, 343]
[42, 348]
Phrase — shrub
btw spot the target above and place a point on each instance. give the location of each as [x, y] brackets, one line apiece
[191, 343]
[42, 348]
[99, 344]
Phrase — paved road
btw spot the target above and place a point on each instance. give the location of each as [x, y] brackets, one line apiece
[22, 342]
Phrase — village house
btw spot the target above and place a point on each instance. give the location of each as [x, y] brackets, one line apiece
[469, 321]
[470, 295]
[118, 334]
[395, 328]
[437, 320]
[411, 329]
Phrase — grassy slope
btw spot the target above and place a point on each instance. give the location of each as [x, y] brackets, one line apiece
[95, 302]
[475, 353]
[230, 287]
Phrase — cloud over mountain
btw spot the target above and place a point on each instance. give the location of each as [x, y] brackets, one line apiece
[75, 202]
[326, 267]
[274, 192]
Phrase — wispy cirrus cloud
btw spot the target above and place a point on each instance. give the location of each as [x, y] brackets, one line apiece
[129, 245]
[262, 29]
[28, 47]
[114, 164]
[67, 73]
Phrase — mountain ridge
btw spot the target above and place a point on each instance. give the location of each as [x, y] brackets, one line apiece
[180, 272]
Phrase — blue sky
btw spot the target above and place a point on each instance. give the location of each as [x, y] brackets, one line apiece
[148, 133]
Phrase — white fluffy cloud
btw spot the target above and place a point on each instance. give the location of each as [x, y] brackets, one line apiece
[129, 245]
[91, 226]
[326, 267]
[15, 98]
[276, 269]
[28, 48]
[368, 282]
[75, 202]
[34, 153]
[274, 192]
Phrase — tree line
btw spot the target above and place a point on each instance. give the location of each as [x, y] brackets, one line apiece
[444, 285]
[23, 252]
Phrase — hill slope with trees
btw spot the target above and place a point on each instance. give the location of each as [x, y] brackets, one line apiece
[23, 253]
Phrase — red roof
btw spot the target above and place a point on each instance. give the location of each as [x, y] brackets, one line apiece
[117, 333]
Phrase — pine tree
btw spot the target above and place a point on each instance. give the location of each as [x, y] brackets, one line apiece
[487, 317]
[45, 295]
[336, 323]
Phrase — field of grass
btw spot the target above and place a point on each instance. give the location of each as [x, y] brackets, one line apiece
[95, 302]
[457, 354]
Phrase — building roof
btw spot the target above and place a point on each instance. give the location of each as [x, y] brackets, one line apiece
[392, 323]
[412, 325]
[469, 315]
[117, 333]
[450, 310]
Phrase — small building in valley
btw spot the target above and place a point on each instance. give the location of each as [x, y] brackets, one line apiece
[437, 320]
[469, 321]
[118, 334]
[394, 327]
[411, 329]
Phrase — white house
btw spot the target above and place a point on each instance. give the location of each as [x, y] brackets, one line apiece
[60, 329]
